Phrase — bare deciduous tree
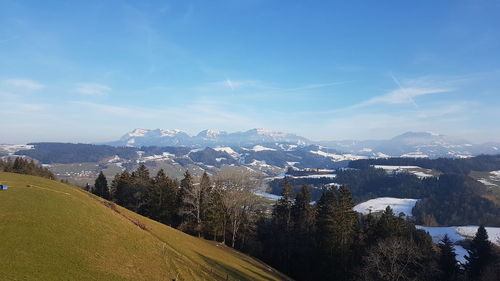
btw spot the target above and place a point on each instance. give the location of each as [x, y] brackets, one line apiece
[236, 190]
[392, 259]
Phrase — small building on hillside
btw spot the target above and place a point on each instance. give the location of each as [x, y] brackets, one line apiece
[3, 187]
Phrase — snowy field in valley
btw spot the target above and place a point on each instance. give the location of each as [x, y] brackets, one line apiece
[317, 176]
[459, 233]
[267, 195]
[489, 179]
[398, 205]
[12, 148]
[416, 170]
[338, 157]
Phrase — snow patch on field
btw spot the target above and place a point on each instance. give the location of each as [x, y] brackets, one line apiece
[415, 155]
[157, 157]
[315, 176]
[12, 148]
[338, 157]
[416, 170]
[461, 253]
[485, 182]
[470, 232]
[267, 195]
[459, 233]
[398, 205]
[259, 163]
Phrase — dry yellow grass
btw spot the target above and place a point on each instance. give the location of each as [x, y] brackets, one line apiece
[53, 231]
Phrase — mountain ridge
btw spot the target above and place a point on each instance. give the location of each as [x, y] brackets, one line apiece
[408, 144]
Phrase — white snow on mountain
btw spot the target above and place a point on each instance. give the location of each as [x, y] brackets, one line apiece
[262, 148]
[138, 133]
[265, 132]
[398, 205]
[229, 151]
[170, 133]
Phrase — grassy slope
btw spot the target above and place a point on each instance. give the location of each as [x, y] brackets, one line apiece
[493, 191]
[52, 231]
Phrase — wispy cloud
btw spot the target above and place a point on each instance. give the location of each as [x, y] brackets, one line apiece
[23, 84]
[92, 89]
[199, 113]
[402, 96]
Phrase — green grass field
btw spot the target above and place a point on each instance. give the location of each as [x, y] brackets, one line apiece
[54, 231]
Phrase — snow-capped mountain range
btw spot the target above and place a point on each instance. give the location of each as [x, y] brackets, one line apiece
[210, 138]
[416, 145]
[409, 144]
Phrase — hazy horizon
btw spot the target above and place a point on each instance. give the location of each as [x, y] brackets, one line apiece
[92, 71]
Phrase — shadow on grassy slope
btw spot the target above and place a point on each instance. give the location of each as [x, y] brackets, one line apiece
[233, 273]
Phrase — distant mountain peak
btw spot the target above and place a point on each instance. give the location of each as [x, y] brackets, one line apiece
[411, 134]
[209, 137]
[209, 133]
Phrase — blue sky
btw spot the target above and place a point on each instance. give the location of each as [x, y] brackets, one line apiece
[89, 71]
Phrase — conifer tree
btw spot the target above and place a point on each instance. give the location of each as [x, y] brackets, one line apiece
[121, 189]
[303, 215]
[335, 229]
[161, 195]
[447, 260]
[205, 191]
[188, 202]
[389, 225]
[101, 187]
[282, 222]
[141, 175]
[479, 255]
[216, 213]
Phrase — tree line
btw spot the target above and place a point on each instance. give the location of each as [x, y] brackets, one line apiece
[322, 241]
[450, 199]
[25, 166]
[461, 166]
[221, 208]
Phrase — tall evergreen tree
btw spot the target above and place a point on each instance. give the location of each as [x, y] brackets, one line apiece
[141, 175]
[101, 187]
[447, 260]
[389, 225]
[187, 202]
[204, 196]
[480, 254]
[282, 222]
[303, 216]
[121, 190]
[336, 224]
[160, 199]
[216, 213]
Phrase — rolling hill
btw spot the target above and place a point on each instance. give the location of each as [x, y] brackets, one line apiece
[53, 231]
